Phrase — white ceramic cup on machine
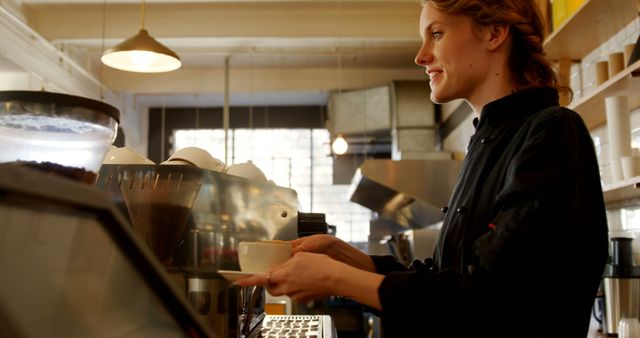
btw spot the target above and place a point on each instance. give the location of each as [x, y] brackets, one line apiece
[259, 257]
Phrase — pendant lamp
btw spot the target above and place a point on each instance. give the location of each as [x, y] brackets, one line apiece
[141, 53]
[339, 145]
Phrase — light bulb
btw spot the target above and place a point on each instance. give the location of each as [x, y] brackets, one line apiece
[142, 59]
[339, 145]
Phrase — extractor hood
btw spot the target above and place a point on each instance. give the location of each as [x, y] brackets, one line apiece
[408, 192]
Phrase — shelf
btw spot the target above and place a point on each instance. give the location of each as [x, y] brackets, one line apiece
[621, 191]
[591, 106]
[594, 23]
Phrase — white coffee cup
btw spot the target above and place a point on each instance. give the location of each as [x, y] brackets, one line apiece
[261, 256]
[197, 157]
[125, 156]
[247, 170]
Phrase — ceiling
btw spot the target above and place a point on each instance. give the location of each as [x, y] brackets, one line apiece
[278, 52]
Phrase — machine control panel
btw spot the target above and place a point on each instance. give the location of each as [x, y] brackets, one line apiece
[299, 326]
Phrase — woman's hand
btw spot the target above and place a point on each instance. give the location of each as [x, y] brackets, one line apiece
[308, 276]
[334, 248]
[305, 276]
[316, 243]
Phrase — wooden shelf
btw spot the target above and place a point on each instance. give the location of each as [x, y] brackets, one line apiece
[595, 22]
[591, 106]
[622, 191]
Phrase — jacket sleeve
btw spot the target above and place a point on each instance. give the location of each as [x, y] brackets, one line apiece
[386, 264]
[411, 294]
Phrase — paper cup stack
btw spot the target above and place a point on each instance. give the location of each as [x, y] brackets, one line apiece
[619, 131]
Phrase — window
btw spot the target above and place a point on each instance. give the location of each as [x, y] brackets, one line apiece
[293, 158]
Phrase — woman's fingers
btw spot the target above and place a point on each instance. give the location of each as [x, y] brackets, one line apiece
[298, 249]
[263, 280]
[302, 277]
[314, 243]
[266, 279]
[298, 245]
[295, 292]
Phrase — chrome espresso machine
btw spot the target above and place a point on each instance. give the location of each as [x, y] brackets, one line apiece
[193, 220]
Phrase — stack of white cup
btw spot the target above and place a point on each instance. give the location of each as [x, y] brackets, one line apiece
[619, 131]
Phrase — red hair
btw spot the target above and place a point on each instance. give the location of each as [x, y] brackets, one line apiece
[527, 63]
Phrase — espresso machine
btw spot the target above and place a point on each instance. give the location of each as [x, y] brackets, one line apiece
[223, 210]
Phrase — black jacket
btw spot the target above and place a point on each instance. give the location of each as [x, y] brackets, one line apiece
[524, 241]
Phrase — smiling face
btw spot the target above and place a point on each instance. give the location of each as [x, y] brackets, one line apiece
[455, 54]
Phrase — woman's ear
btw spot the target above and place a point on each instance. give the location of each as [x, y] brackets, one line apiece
[497, 36]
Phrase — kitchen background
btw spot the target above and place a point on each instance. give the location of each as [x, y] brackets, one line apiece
[298, 73]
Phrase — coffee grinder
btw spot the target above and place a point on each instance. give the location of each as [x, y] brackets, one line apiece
[159, 200]
[621, 286]
[221, 211]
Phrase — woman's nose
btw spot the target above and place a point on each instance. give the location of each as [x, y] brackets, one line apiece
[424, 56]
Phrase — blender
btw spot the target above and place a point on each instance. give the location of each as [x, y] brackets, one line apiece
[621, 286]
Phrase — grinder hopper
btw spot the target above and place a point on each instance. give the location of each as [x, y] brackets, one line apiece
[159, 200]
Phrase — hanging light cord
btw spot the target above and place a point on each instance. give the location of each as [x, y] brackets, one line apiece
[142, 14]
[104, 28]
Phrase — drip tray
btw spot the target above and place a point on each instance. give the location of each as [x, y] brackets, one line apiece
[297, 326]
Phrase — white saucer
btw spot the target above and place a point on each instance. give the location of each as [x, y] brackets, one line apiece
[233, 276]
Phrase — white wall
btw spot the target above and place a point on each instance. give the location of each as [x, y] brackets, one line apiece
[26, 81]
[135, 124]
[14, 80]
[46, 67]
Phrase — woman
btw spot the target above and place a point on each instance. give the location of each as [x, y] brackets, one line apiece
[524, 239]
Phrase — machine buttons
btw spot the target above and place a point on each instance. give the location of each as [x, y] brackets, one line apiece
[306, 326]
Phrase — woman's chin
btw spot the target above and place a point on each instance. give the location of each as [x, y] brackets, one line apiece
[440, 96]
[437, 98]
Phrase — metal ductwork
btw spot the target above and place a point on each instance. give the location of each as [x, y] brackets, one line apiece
[409, 190]
[407, 193]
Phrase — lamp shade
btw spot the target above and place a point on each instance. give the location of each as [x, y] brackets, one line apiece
[143, 54]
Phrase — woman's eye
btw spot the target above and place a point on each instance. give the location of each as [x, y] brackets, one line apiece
[436, 34]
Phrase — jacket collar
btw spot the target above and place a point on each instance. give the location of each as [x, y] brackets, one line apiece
[518, 104]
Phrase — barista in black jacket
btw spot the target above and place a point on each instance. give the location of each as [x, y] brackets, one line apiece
[524, 239]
